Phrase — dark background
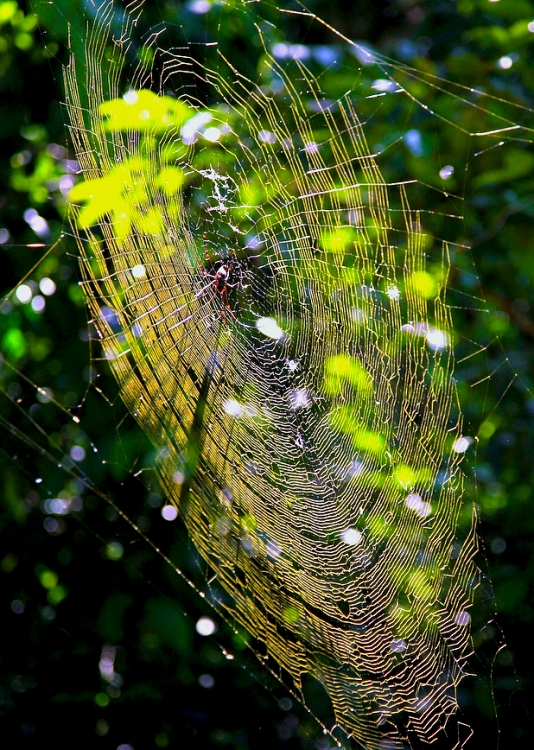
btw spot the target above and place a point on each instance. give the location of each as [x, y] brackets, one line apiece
[73, 585]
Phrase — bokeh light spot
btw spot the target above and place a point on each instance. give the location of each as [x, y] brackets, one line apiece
[206, 681]
[102, 700]
[269, 327]
[462, 444]
[77, 453]
[199, 6]
[38, 304]
[446, 172]
[498, 545]
[169, 512]
[352, 536]
[114, 551]
[212, 134]
[462, 618]
[23, 293]
[47, 286]
[139, 271]
[437, 339]
[505, 62]
[205, 626]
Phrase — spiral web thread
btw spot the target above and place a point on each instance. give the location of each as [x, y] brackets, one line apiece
[303, 403]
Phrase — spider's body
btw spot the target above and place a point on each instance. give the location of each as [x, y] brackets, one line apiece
[225, 274]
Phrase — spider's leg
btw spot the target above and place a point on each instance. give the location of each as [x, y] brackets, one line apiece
[207, 253]
[224, 295]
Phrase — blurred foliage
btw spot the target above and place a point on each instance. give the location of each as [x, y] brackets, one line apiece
[76, 580]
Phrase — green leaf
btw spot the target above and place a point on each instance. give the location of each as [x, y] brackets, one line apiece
[145, 111]
[341, 369]
[14, 343]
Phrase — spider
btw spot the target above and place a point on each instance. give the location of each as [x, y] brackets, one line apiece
[225, 275]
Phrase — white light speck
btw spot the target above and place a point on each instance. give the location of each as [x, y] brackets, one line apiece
[254, 242]
[462, 444]
[382, 84]
[505, 62]
[446, 172]
[130, 97]
[293, 51]
[398, 645]
[212, 134]
[178, 478]
[269, 327]
[299, 399]
[417, 504]
[280, 50]
[190, 129]
[354, 470]
[233, 408]
[199, 6]
[205, 626]
[57, 506]
[530, 27]
[265, 136]
[47, 286]
[65, 184]
[299, 52]
[273, 550]
[38, 304]
[36, 222]
[413, 500]
[169, 512]
[23, 293]
[77, 453]
[393, 292]
[462, 618]
[351, 536]
[437, 339]
[139, 271]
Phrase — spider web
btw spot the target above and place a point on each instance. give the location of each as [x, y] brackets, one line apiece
[306, 418]
[276, 310]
